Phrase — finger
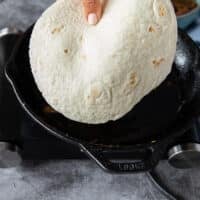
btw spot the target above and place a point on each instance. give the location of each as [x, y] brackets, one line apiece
[92, 10]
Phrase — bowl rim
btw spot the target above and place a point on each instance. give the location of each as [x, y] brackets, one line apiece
[191, 12]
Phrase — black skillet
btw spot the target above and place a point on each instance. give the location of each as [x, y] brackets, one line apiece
[148, 130]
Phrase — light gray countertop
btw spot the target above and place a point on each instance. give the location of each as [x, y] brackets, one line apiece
[80, 180]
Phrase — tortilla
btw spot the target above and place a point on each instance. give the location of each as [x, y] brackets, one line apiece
[96, 74]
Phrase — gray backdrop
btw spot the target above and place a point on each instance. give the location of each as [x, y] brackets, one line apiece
[79, 180]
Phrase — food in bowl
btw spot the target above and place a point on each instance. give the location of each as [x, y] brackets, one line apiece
[184, 6]
[96, 74]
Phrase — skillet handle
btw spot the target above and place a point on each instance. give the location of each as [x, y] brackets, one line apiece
[145, 164]
[156, 151]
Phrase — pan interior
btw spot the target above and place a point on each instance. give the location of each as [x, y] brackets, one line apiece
[147, 121]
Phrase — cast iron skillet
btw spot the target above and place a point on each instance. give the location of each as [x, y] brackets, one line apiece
[146, 132]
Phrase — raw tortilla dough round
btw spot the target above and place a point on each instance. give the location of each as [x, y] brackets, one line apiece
[96, 74]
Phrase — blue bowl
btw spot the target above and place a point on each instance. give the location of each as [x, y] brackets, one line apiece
[185, 20]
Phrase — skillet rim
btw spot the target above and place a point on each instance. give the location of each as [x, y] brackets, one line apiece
[11, 78]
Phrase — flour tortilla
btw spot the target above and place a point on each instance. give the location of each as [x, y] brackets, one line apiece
[96, 74]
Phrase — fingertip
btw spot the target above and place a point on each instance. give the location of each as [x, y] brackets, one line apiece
[92, 19]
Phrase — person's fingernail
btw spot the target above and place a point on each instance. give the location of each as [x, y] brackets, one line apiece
[92, 19]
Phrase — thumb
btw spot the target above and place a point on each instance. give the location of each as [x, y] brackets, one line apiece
[92, 10]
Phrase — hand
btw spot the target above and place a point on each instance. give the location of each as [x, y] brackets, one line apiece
[93, 10]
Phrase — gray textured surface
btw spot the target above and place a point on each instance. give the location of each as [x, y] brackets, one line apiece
[80, 180]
